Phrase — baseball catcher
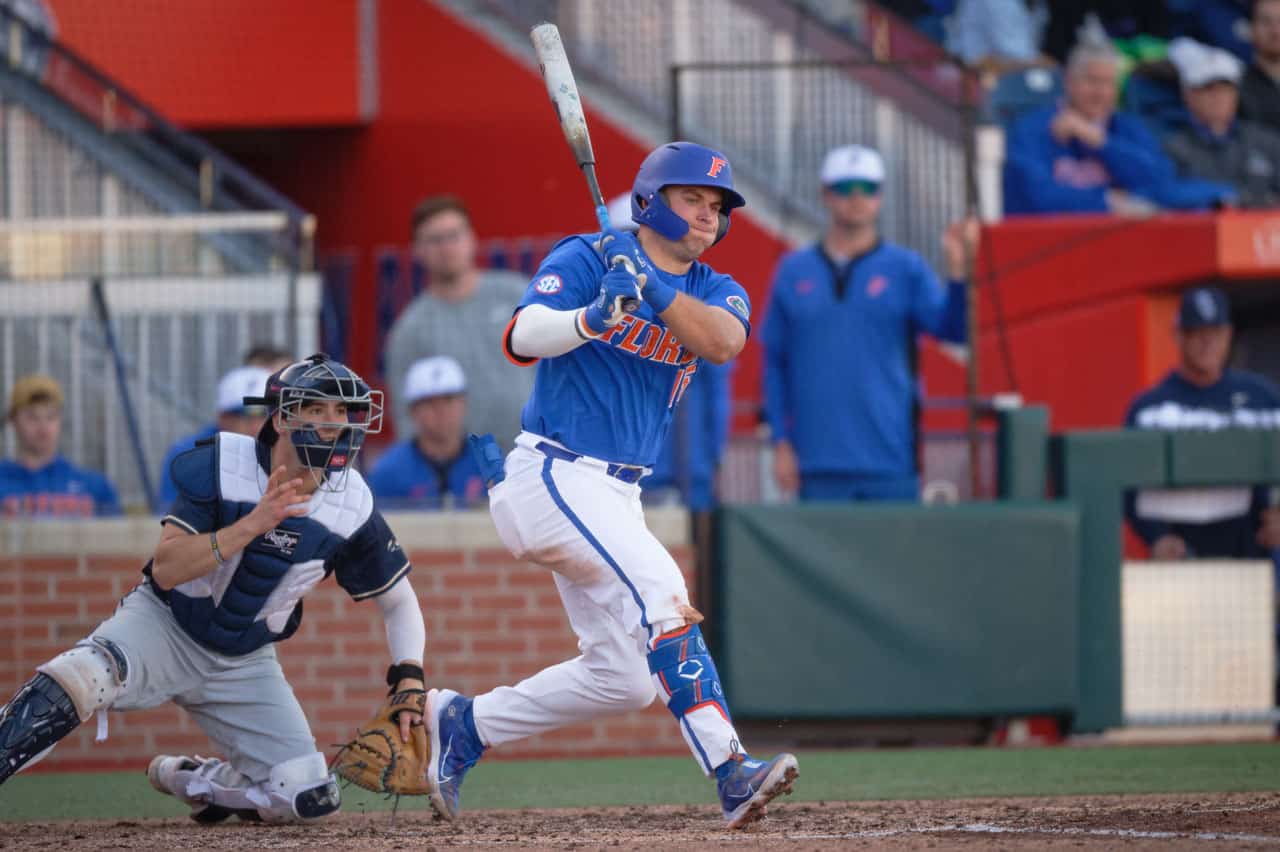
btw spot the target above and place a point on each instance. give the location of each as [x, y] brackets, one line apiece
[257, 524]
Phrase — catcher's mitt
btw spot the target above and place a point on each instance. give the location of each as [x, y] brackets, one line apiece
[378, 760]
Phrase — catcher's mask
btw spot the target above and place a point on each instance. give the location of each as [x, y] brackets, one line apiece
[321, 379]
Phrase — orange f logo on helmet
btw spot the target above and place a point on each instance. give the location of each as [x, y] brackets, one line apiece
[717, 163]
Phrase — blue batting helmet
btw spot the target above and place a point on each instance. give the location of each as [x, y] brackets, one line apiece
[681, 164]
[318, 379]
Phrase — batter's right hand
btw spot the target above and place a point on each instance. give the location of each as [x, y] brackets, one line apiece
[786, 469]
[281, 500]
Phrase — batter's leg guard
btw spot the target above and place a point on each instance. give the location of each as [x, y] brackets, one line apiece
[687, 680]
[32, 723]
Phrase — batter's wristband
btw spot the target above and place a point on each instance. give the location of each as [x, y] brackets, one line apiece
[658, 293]
[399, 672]
[213, 545]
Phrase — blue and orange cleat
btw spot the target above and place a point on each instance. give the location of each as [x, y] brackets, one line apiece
[746, 785]
[455, 748]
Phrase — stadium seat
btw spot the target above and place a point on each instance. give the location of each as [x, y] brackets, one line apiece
[1016, 92]
[1156, 98]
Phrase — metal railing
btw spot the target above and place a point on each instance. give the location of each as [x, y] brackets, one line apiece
[177, 171]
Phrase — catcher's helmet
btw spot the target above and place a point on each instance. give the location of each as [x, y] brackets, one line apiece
[321, 378]
[681, 164]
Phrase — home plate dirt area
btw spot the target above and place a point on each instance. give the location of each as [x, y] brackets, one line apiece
[1183, 821]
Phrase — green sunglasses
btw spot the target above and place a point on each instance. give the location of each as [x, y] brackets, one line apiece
[849, 187]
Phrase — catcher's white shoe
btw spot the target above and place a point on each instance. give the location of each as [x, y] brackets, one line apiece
[170, 775]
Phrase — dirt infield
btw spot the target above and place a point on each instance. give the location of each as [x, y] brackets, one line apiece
[1190, 821]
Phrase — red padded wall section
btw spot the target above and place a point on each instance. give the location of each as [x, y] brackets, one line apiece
[225, 63]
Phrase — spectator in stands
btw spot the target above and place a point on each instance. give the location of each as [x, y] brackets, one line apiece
[462, 311]
[1260, 90]
[1218, 146]
[1082, 156]
[434, 468]
[268, 356]
[997, 35]
[1203, 393]
[840, 343]
[38, 482]
[230, 415]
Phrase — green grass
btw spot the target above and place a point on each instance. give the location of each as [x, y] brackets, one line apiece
[825, 775]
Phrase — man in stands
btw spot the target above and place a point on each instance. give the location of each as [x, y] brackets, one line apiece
[1081, 156]
[38, 482]
[460, 313]
[1218, 146]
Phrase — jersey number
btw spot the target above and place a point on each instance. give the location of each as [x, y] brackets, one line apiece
[681, 384]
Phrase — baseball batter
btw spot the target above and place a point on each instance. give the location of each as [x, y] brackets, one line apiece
[618, 325]
[256, 525]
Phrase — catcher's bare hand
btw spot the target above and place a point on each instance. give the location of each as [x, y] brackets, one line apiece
[282, 500]
[407, 719]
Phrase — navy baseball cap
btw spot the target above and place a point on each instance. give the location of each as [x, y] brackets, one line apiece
[1203, 306]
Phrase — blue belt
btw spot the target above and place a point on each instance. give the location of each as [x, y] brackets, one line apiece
[628, 473]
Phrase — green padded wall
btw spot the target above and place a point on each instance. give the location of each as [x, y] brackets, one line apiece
[888, 610]
[1093, 469]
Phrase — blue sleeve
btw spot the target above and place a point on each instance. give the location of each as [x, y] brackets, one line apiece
[728, 294]
[195, 508]
[1136, 161]
[567, 279]
[777, 347]
[1133, 156]
[1029, 184]
[106, 503]
[928, 297]
[371, 561]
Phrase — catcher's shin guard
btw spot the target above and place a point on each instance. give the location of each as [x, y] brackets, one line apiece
[38, 716]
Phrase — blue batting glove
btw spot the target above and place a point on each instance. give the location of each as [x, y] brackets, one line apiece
[613, 244]
[621, 247]
[619, 295]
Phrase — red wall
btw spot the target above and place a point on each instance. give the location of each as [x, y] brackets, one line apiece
[456, 114]
[225, 63]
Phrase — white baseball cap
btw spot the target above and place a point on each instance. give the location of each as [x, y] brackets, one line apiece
[852, 162]
[434, 377]
[239, 383]
[1199, 64]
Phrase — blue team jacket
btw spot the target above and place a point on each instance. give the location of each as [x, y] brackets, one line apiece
[840, 346]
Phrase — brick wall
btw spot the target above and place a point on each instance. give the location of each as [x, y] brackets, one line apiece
[490, 620]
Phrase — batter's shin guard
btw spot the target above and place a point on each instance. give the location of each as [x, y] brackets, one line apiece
[689, 685]
[38, 716]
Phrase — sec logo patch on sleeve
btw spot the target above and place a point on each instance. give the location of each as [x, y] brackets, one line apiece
[548, 284]
[740, 305]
